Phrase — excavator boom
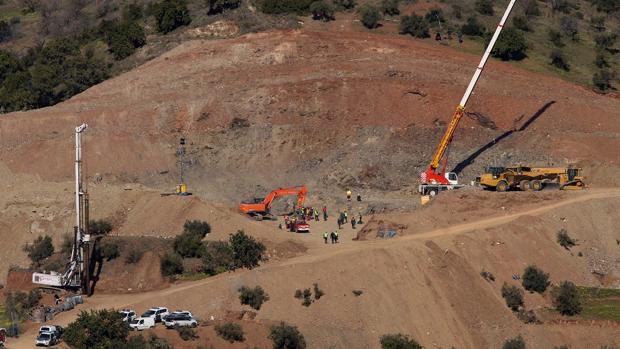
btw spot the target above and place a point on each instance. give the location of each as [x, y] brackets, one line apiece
[260, 207]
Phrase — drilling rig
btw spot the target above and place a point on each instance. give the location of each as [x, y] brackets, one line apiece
[435, 179]
[77, 273]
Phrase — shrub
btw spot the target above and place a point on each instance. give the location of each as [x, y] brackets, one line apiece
[186, 333]
[390, 7]
[132, 12]
[318, 293]
[510, 45]
[254, 297]
[598, 23]
[307, 294]
[560, 61]
[602, 79]
[109, 250]
[171, 14]
[414, 25]
[219, 6]
[563, 239]
[398, 341]
[457, 11]
[569, 27]
[344, 4]
[513, 296]
[530, 8]
[217, 257]
[527, 316]
[188, 244]
[607, 6]
[99, 227]
[40, 249]
[600, 61]
[285, 336]
[555, 37]
[566, 299]
[154, 342]
[247, 252]
[605, 41]
[134, 255]
[171, 264]
[485, 7]
[285, 6]
[434, 15]
[230, 332]
[200, 228]
[123, 38]
[487, 275]
[514, 343]
[20, 304]
[358, 293]
[96, 329]
[522, 23]
[5, 31]
[322, 11]
[472, 27]
[535, 280]
[369, 16]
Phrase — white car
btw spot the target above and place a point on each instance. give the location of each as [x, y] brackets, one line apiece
[46, 339]
[142, 323]
[179, 312]
[127, 314]
[51, 329]
[180, 320]
[157, 313]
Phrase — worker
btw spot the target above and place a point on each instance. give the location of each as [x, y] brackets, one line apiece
[333, 237]
[316, 214]
[340, 222]
[360, 220]
[359, 197]
[325, 213]
[349, 195]
[353, 223]
[346, 217]
[336, 236]
[325, 236]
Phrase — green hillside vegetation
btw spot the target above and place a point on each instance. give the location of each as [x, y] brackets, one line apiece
[52, 50]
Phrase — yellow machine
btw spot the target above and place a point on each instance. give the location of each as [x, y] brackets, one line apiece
[530, 178]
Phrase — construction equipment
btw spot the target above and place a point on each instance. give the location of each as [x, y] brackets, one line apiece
[530, 178]
[77, 274]
[181, 189]
[259, 208]
[434, 179]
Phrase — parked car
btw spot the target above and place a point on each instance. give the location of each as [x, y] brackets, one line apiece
[177, 312]
[157, 313]
[127, 314]
[46, 339]
[180, 320]
[55, 329]
[142, 323]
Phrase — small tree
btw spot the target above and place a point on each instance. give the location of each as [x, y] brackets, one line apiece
[5, 31]
[530, 8]
[535, 280]
[566, 299]
[521, 23]
[254, 297]
[134, 255]
[564, 240]
[398, 341]
[390, 7]
[322, 11]
[569, 27]
[200, 228]
[344, 4]
[485, 7]
[219, 6]
[414, 25]
[230, 331]
[171, 264]
[560, 61]
[510, 45]
[40, 249]
[19, 304]
[171, 14]
[472, 27]
[601, 61]
[513, 296]
[605, 41]
[109, 250]
[555, 37]
[99, 227]
[602, 79]
[369, 16]
[217, 257]
[96, 329]
[514, 343]
[285, 336]
[188, 245]
[187, 334]
[247, 251]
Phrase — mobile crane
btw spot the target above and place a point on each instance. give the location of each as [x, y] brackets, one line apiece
[259, 207]
[434, 179]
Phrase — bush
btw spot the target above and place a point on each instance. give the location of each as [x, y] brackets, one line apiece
[134, 255]
[433, 15]
[99, 227]
[132, 12]
[188, 245]
[217, 257]
[510, 45]
[230, 332]
[200, 228]
[186, 333]
[219, 6]
[247, 252]
[369, 16]
[19, 304]
[555, 37]
[472, 27]
[563, 239]
[527, 316]
[5, 31]
[485, 7]
[318, 293]
[344, 4]
[285, 336]
[605, 41]
[307, 294]
[109, 250]
[299, 7]
[40, 249]
[96, 329]
[398, 341]
[487, 275]
[530, 8]
[535, 280]
[600, 61]
[171, 14]
[390, 7]
[357, 293]
[322, 11]
[513, 296]
[414, 25]
[154, 342]
[171, 264]
[123, 38]
[602, 79]
[254, 297]
[566, 299]
[522, 23]
[569, 27]
[598, 23]
[298, 294]
[514, 343]
[560, 61]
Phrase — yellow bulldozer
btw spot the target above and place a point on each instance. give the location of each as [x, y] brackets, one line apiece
[530, 178]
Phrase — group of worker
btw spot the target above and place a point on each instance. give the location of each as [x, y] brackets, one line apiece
[333, 236]
[343, 218]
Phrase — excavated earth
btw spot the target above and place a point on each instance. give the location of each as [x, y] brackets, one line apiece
[332, 110]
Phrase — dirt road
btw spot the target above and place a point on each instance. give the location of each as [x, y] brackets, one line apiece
[316, 255]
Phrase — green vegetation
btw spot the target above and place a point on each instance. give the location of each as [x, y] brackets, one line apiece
[513, 296]
[566, 299]
[254, 297]
[186, 333]
[599, 303]
[510, 45]
[485, 7]
[390, 7]
[563, 239]
[171, 14]
[134, 255]
[285, 336]
[219, 6]
[230, 331]
[123, 38]
[398, 341]
[19, 304]
[514, 343]
[472, 27]
[559, 60]
[40, 249]
[217, 257]
[108, 250]
[370, 16]
[96, 329]
[189, 243]
[299, 7]
[99, 227]
[322, 11]
[171, 264]
[414, 25]
[535, 280]
[247, 252]
[138, 342]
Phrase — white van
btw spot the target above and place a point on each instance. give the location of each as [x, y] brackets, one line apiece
[142, 323]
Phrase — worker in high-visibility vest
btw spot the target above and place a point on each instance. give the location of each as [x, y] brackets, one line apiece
[325, 235]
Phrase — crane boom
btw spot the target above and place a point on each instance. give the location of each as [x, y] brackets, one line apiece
[431, 175]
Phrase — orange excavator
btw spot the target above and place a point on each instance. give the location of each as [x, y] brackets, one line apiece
[259, 207]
